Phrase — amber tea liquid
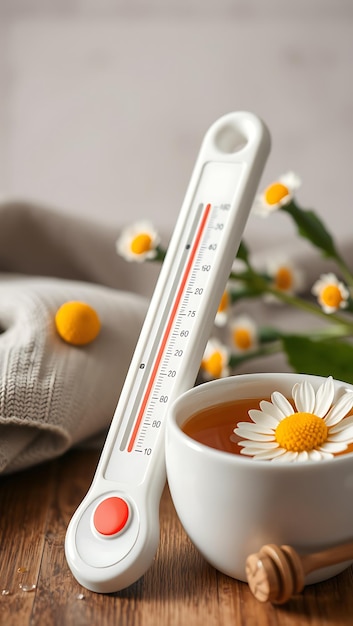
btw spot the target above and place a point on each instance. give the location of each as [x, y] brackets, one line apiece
[214, 425]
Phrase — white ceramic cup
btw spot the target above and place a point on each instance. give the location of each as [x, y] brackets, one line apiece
[231, 505]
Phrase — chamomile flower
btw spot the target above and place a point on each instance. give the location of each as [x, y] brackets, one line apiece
[314, 428]
[278, 194]
[223, 309]
[138, 242]
[285, 276]
[215, 360]
[244, 334]
[331, 293]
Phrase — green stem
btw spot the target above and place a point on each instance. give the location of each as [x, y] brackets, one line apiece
[268, 334]
[330, 332]
[258, 284]
[304, 305]
[273, 344]
[267, 350]
[346, 273]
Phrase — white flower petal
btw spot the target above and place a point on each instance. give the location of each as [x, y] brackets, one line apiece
[291, 180]
[269, 455]
[258, 444]
[340, 409]
[288, 456]
[315, 455]
[325, 279]
[324, 397]
[332, 447]
[271, 410]
[326, 455]
[250, 429]
[344, 424]
[342, 435]
[262, 208]
[282, 404]
[302, 456]
[248, 452]
[253, 436]
[263, 419]
[221, 318]
[304, 397]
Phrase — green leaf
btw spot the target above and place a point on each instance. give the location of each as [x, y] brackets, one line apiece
[312, 228]
[243, 253]
[323, 358]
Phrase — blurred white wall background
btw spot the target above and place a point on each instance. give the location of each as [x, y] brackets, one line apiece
[104, 103]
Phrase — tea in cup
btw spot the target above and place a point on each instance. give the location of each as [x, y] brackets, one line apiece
[232, 494]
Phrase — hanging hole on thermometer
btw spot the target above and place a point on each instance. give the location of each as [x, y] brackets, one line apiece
[230, 139]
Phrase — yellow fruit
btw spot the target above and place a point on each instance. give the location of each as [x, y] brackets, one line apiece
[77, 323]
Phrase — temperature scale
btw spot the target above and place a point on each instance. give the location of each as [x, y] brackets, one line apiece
[113, 536]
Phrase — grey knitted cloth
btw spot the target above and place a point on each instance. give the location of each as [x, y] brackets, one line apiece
[54, 395]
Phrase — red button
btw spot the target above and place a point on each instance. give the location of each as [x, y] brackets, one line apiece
[111, 516]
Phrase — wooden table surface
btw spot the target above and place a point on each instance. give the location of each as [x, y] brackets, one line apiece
[180, 588]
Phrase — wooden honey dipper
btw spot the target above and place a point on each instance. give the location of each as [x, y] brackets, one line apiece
[276, 573]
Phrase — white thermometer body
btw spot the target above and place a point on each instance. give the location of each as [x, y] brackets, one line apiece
[113, 536]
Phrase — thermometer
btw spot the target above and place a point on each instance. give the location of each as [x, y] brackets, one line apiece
[113, 536]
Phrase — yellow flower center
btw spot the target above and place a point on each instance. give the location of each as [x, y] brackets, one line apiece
[331, 296]
[284, 278]
[214, 364]
[141, 243]
[223, 305]
[242, 338]
[301, 431]
[275, 193]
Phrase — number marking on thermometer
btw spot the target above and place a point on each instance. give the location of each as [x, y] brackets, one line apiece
[165, 358]
[169, 327]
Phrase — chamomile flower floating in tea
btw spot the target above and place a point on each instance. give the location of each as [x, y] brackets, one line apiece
[331, 293]
[316, 428]
[138, 242]
[278, 194]
[215, 360]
